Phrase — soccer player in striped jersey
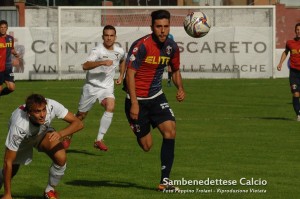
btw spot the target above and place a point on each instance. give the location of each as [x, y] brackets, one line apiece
[101, 65]
[146, 104]
[293, 47]
[6, 51]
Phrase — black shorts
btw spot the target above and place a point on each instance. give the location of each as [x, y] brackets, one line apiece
[7, 75]
[152, 112]
[294, 80]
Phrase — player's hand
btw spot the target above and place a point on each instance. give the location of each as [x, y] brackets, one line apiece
[54, 136]
[119, 81]
[15, 61]
[279, 67]
[180, 95]
[108, 62]
[16, 55]
[134, 111]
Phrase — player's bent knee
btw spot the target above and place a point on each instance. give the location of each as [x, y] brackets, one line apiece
[110, 107]
[146, 148]
[145, 142]
[170, 134]
[168, 129]
[60, 158]
[50, 147]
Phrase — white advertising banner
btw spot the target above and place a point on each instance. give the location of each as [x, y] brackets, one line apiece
[226, 52]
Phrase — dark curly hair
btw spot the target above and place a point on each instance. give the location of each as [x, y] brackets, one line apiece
[34, 99]
[160, 14]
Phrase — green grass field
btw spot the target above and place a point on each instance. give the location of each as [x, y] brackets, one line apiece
[226, 129]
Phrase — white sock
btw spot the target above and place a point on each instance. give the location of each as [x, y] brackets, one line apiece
[104, 124]
[49, 188]
[56, 172]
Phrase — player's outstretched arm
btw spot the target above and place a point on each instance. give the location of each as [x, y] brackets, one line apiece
[134, 110]
[9, 157]
[89, 65]
[177, 80]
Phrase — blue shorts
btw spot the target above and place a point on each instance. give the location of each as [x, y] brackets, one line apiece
[294, 80]
[7, 75]
[152, 113]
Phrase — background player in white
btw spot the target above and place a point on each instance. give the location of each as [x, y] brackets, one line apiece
[30, 126]
[101, 65]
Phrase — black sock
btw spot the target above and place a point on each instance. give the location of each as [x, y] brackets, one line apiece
[296, 105]
[5, 91]
[166, 158]
[169, 76]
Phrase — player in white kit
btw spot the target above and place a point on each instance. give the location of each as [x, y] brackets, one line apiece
[30, 127]
[101, 65]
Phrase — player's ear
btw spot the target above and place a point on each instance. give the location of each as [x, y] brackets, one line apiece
[103, 37]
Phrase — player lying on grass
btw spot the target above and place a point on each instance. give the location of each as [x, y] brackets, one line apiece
[30, 127]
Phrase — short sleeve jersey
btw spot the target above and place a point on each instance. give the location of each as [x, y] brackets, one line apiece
[6, 45]
[21, 130]
[294, 47]
[148, 57]
[103, 76]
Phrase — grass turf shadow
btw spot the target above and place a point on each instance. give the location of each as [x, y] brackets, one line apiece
[106, 183]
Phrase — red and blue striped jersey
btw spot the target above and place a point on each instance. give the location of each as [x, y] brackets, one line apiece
[294, 47]
[148, 57]
[6, 45]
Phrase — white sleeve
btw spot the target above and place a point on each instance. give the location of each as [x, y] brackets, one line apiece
[93, 56]
[57, 108]
[14, 138]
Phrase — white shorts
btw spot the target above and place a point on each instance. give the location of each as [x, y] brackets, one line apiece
[90, 94]
[25, 151]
